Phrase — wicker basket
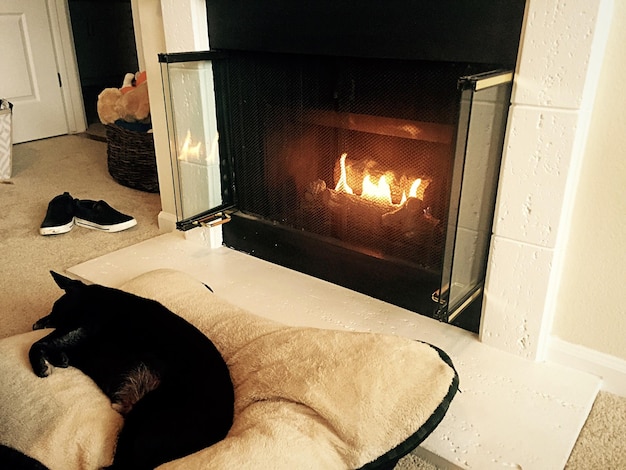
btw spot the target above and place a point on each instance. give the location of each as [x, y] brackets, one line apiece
[131, 158]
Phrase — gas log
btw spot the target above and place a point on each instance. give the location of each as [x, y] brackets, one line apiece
[406, 217]
[353, 213]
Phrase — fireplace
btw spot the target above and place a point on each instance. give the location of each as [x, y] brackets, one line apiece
[373, 169]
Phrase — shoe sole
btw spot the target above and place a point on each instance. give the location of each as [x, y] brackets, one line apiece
[59, 229]
[105, 228]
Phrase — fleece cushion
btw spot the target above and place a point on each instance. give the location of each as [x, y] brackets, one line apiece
[63, 421]
[304, 397]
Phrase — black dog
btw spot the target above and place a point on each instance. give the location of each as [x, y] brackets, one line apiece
[15, 460]
[162, 373]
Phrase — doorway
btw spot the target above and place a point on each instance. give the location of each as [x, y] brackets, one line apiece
[104, 40]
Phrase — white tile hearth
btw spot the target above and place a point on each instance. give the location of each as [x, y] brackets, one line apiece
[511, 412]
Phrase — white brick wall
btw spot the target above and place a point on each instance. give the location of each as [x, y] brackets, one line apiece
[547, 126]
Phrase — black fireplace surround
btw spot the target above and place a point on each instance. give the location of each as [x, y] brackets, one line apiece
[316, 100]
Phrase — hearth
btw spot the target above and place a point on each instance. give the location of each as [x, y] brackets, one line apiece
[375, 173]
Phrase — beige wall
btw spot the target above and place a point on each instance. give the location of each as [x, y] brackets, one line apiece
[591, 303]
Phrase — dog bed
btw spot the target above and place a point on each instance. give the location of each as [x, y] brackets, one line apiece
[304, 397]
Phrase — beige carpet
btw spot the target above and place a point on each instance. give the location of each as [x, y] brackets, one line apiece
[42, 170]
[46, 168]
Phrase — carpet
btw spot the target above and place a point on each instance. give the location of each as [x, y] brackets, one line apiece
[45, 168]
[41, 170]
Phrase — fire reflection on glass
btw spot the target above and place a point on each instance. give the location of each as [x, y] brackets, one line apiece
[193, 152]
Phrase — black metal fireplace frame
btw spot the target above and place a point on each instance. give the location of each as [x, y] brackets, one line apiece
[243, 27]
[478, 31]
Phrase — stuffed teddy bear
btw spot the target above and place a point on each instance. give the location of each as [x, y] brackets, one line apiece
[129, 103]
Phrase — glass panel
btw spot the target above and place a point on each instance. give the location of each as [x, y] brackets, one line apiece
[487, 101]
[442, 295]
[192, 126]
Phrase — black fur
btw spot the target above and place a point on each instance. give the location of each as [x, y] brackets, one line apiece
[15, 460]
[160, 371]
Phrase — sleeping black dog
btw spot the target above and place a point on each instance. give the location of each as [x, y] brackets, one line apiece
[164, 375]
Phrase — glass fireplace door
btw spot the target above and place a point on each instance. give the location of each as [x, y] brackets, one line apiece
[482, 120]
[378, 175]
[202, 182]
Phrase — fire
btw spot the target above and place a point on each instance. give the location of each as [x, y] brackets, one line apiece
[189, 151]
[342, 184]
[412, 191]
[379, 191]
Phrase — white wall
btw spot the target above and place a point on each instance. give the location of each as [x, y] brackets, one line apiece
[561, 52]
[167, 26]
[591, 302]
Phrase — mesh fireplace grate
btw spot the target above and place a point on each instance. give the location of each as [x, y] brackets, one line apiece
[392, 119]
[349, 169]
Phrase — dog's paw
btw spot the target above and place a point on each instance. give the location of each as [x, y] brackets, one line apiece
[44, 361]
[58, 359]
[39, 362]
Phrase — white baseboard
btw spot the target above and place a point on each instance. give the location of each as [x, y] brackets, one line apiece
[610, 369]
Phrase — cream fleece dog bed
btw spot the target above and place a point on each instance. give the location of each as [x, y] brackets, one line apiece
[304, 397]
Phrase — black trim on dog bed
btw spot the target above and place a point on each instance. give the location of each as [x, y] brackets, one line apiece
[388, 460]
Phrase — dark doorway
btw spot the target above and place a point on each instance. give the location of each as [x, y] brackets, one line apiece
[104, 40]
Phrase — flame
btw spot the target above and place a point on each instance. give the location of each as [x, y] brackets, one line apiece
[412, 191]
[342, 184]
[189, 152]
[378, 192]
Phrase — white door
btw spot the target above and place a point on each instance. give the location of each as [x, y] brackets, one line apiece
[28, 72]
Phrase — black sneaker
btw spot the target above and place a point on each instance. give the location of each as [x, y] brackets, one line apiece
[60, 215]
[99, 215]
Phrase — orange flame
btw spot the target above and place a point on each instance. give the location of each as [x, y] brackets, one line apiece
[378, 192]
[412, 191]
[342, 184]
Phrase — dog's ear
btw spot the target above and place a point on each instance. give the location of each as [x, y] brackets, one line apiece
[65, 282]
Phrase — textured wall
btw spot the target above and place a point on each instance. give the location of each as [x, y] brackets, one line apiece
[591, 304]
[558, 66]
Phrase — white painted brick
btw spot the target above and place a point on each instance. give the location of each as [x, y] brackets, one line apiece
[516, 288]
[555, 52]
[534, 173]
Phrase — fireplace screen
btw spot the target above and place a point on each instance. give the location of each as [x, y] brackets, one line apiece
[376, 174]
